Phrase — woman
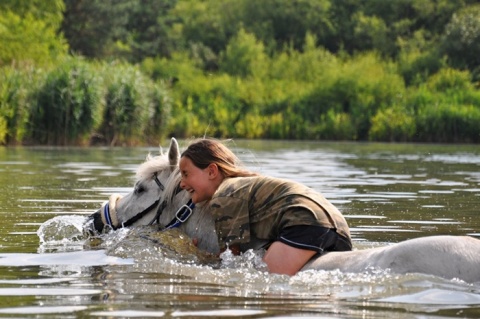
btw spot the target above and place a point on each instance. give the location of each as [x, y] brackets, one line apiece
[291, 221]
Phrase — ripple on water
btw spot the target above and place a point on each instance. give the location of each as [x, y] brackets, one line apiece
[23, 291]
[42, 310]
[436, 296]
[74, 259]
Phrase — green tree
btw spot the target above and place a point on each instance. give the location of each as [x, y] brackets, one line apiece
[51, 11]
[93, 26]
[244, 56]
[371, 33]
[285, 23]
[461, 40]
[341, 13]
[133, 30]
[147, 32]
[418, 59]
[26, 39]
[207, 24]
[401, 18]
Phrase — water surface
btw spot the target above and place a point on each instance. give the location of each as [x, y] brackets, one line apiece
[388, 193]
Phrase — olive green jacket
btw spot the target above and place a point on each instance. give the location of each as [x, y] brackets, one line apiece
[251, 211]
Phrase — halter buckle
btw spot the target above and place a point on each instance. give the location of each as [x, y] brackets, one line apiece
[183, 213]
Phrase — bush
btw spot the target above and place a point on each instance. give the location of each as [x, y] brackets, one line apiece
[65, 105]
[313, 64]
[449, 80]
[443, 123]
[418, 60]
[159, 109]
[127, 104]
[15, 87]
[244, 56]
[393, 124]
[136, 108]
[336, 126]
[447, 108]
[3, 130]
[177, 69]
[359, 87]
[448, 86]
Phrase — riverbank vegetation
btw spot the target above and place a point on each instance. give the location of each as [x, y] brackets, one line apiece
[127, 72]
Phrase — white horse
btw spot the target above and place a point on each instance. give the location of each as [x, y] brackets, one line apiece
[444, 256]
[157, 198]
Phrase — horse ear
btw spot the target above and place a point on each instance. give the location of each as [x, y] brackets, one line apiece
[173, 153]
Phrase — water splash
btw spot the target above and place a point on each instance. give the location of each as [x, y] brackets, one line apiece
[61, 233]
[147, 243]
[248, 260]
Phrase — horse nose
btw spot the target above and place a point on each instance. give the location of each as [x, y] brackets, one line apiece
[94, 224]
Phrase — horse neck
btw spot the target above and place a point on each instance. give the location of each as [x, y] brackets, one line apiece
[172, 197]
[200, 224]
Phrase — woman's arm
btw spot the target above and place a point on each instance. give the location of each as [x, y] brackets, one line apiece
[283, 259]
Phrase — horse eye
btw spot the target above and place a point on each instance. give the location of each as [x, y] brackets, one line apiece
[139, 188]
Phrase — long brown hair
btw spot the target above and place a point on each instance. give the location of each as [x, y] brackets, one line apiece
[205, 151]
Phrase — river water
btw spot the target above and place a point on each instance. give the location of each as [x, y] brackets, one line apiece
[387, 192]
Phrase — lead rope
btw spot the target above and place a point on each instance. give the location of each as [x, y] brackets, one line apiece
[181, 215]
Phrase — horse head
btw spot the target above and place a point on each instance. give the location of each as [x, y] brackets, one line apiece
[155, 199]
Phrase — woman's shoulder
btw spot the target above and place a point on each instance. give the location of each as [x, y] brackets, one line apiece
[237, 182]
[266, 183]
[255, 183]
[259, 180]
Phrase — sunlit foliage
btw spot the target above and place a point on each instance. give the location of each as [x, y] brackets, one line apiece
[400, 70]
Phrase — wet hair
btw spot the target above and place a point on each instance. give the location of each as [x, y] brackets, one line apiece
[205, 151]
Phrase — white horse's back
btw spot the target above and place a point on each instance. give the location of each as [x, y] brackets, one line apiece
[444, 256]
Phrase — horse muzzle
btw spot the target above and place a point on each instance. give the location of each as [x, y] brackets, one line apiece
[94, 225]
[103, 219]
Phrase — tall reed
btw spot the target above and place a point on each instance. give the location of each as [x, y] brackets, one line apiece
[135, 108]
[64, 106]
[16, 87]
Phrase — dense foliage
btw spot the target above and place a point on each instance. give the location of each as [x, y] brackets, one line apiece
[131, 72]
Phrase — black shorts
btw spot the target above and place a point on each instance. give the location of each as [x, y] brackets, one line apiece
[316, 238]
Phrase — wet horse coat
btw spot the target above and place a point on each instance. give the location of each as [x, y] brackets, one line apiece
[156, 196]
[444, 256]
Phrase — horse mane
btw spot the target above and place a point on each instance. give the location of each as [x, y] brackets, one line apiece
[158, 164]
[152, 165]
[171, 188]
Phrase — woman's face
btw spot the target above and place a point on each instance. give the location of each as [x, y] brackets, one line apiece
[200, 183]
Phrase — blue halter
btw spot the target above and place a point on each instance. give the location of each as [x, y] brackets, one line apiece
[181, 215]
